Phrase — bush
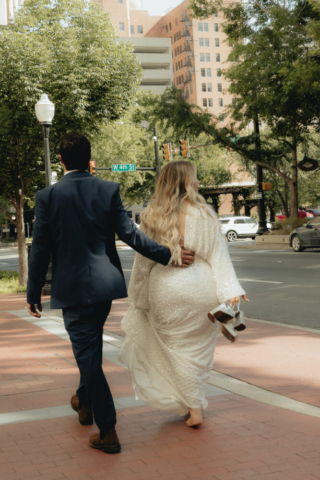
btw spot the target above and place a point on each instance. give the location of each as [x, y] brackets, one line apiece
[285, 227]
[9, 282]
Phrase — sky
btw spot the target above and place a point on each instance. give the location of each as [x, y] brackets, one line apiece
[157, 7]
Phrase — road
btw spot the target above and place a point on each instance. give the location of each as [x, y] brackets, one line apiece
[282, 286]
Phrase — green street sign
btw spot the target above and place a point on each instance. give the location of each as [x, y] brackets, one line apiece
[124, 167]
[234, 139]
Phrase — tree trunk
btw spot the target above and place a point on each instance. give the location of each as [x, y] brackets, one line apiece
[22, 250]
[272, 212]
[294, 183]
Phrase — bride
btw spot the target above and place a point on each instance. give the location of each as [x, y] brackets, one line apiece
[170, 342]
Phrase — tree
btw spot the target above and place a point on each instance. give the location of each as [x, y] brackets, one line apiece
[273, 74]
[128, 142]
[67, 49]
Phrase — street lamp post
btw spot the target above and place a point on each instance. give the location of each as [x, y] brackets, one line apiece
[261, 205]
[45, 113]
[154, 138]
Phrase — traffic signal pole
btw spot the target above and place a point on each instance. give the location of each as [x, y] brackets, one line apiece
[155, 138]
[261, 205]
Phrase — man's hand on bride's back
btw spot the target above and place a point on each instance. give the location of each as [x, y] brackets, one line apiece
[187, 259]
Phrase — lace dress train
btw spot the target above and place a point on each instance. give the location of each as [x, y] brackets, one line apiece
[169, 344]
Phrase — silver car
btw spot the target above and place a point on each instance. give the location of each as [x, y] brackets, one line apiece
[239, 227]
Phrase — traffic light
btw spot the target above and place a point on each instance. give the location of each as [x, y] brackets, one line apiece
[184, 148]
[266, 186]
[167, 151]
[92, 168]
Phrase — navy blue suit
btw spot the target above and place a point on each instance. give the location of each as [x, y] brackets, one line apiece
[76, 222]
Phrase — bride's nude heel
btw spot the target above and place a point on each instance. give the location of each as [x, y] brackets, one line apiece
[229, 332]
[195, 419]
[222, 313]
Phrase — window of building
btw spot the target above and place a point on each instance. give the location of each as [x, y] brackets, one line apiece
[207, 57]
[215, 14]
[216, 27]
[219, 73]
[234, 102]
[201, 57]
[176, 22]
[220, 102]
[121, 27]
[208, 72]
[203, 72]
[166, 28]
[217, 57]
[206, 27]
[191, 89]
[204, 102]
[230, 44]
[216, 42]
[206, 42]
[140, 29]
[200, 27]
[204, 87]
[170, 28]
[200, 42]
[219, 87]
[120, 2]
[209, 86]
[210, 102]
[131, 28]
[182, 78]
[221, 117]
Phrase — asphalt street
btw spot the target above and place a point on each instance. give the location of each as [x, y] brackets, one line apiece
[282, 286]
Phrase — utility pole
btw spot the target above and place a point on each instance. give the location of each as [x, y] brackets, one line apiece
[261, 206]
[155, 138]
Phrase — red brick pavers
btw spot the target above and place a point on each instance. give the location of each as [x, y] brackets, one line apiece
[240, 438]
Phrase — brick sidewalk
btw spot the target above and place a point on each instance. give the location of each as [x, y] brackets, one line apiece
[240, 438]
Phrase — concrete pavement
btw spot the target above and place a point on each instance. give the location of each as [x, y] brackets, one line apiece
[243, 435]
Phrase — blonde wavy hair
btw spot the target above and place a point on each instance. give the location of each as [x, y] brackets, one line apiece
[161, 219]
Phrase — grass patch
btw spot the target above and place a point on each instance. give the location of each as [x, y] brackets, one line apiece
[9, 282]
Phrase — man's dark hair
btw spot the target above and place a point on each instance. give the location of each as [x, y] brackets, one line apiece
[75, 151]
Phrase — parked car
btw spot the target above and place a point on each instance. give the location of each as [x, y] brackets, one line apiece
[239, 227]
[315, 212]
[302, 214]
[307, 236]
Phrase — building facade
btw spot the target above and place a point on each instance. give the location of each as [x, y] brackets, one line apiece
[8, 8]
[200, 52]
[155, 58]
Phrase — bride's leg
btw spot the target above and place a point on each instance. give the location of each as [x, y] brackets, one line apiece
[195, 418]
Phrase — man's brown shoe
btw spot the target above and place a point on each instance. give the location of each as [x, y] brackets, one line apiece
[85, 412]
[109, 444]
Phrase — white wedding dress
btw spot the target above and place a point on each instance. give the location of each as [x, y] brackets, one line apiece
[170, 341]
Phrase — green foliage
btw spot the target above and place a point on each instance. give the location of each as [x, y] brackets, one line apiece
[285, 227]
[128, 142]
[9, 282]
[272, 75]
[67, 49]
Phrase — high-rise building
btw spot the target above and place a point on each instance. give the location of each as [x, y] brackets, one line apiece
[200, 52]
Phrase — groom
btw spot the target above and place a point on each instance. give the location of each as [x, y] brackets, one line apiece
[76, 222]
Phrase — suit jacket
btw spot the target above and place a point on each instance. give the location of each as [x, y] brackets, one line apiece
[76, 222]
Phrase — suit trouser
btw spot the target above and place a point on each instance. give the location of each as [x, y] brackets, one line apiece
[84, 325]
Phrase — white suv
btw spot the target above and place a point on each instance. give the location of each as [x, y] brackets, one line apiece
[239, 227]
